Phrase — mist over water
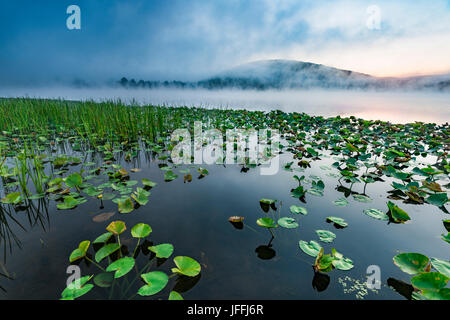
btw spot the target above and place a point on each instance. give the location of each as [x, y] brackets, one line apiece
[395, 106]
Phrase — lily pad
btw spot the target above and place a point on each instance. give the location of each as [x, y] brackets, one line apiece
[116, 227]
[298, 210]
[121, 266]
[339, 221]
[186, 266]
[77, 288]
[441, 266]
[289, 223]
[397, 214]
[411, 263]
[326, 236]
[175, 296]
[312, 248]
[155, 282]
[126, 205]
[164, 250]
[376, 214]
[266, 222]
[430, 281]
[141, 230]
[342, 202]
[80, 252]
[106, 250]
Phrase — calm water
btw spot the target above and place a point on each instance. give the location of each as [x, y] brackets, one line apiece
[400, 107]
[236, 264]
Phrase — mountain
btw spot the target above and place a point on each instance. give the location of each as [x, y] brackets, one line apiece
[289, 74]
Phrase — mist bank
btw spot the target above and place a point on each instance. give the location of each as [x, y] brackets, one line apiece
[289, 74]
[393, 106]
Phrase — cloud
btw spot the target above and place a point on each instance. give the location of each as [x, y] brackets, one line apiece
[188, 40]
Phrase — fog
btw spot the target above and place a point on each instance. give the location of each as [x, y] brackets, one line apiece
[397, 107]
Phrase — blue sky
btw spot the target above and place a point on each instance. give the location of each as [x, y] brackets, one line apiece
[176, 39]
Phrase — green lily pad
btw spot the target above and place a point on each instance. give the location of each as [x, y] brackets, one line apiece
[121, 266]
[376, 214]
[116, 227]
[339, 221]
[362, 198]
[155, 282]
[104, 279]
[77, 288]
[340, 262]
[289, 223]
[441, 266]
[267, 201]
[397, 214]
[442, 294]
[446, 237]
[148, 183]
[141, 230]
[411, 263]
[103, 238]
[73, 180]
[13, 198]
[437, 199]
[312, 248]
[186, 266]
[106, 250]
[266, 222]
[169, 176]
[164, 250]
[140, 196]
[80, 252]
[429, 281]
[326, 236]
[298, 210]
[175, 296]
[342, 202]
[125, 205]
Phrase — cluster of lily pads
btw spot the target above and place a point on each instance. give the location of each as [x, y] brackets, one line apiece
[108, 248]
[427, 283]
[70, 152]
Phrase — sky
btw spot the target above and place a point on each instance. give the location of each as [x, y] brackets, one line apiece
[191, 40]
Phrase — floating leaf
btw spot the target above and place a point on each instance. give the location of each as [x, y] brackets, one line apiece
[267, 201]
[116, 227]
[429, 281]
[186, 266]
[288, 223]
[298, 210]
[266, 222]
[437, 199]
[103, 238]
[121, 266]
[169, 176]
[155, 280]
[362, 198]
[376, 214]
[73, 180]
[175, 296]
[397, 214]
[141, 230]
[148, 183]
[312, 248]
[106, 250]
[80, 252]
[339, 221]
[411, 263]
[342, 202]
[104, 279]
[164, 250]
[340, 262]
[326, 236]
[442, 266]
[126, 205]
[77, 288]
